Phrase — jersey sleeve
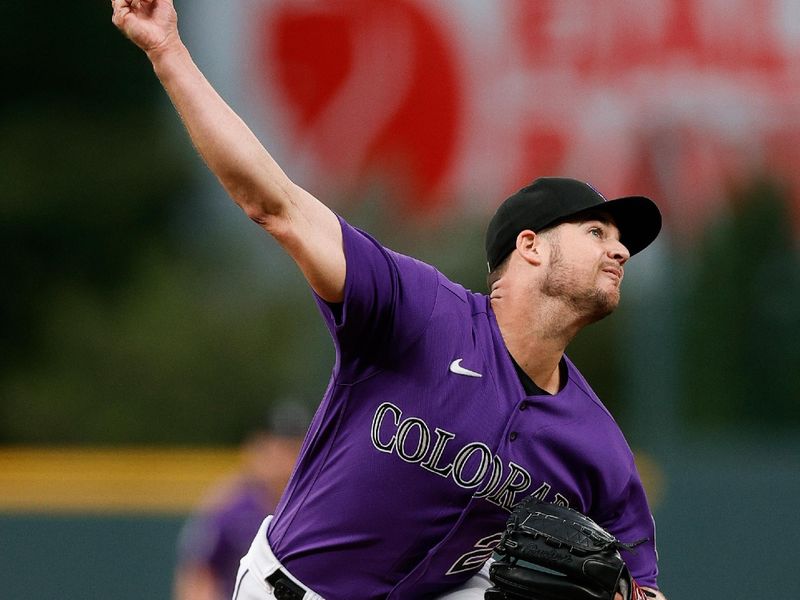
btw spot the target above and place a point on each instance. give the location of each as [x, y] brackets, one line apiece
[388, 301]
[631, 521]
[200, 540]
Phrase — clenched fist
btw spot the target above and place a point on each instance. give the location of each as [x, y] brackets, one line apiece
[150, 24]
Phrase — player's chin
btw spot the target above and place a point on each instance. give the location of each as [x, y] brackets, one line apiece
[609, 281]
[610, 294]
[605, 302]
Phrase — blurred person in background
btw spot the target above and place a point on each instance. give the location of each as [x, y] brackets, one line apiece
[215, 538]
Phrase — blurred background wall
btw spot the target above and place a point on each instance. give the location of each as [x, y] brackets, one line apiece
[145, 323]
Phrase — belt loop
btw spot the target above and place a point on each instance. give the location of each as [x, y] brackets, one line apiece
[284, 588]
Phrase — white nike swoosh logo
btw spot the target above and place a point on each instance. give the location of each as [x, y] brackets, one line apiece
[455, 367]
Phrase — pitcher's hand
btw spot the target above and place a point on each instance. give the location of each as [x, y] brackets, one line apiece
[150, 24]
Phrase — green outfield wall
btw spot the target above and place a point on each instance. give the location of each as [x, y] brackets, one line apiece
[725, 508]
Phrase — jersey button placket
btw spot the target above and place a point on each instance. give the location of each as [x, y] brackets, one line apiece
[512, 436]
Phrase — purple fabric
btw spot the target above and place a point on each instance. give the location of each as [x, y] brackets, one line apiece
[410, 470]
[219, 536]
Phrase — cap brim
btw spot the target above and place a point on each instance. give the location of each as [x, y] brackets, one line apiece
[637, 218]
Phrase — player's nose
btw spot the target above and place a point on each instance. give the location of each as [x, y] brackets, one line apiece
[618, 252]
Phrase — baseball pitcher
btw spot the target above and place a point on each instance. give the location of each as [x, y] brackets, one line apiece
[445, 408]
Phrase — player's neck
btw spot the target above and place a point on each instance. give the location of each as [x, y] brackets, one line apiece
[536, 336]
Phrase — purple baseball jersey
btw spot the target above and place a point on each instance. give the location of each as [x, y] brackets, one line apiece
[425, 439]
[218, 536]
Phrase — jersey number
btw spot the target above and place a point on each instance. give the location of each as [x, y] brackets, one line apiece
[475, 558]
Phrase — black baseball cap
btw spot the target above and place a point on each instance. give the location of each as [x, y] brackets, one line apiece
[551, 199]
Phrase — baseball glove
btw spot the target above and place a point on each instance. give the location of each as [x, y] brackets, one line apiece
[551, 552]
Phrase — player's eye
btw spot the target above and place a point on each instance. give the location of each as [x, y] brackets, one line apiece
[596, 231]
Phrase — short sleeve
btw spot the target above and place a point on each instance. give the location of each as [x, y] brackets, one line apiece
[200, 540]
[632, 522]
[388, 300]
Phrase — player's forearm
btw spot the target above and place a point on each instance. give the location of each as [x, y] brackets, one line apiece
[233, 153]
[307, 229]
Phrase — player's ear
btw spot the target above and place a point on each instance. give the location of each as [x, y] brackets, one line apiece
[529, 246]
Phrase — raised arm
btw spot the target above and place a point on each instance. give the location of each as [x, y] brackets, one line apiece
[307, 229]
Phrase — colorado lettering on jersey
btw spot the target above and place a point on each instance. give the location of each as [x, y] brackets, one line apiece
[475, 466]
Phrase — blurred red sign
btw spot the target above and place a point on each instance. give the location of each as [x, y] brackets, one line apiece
[469, 100]
[373, 89]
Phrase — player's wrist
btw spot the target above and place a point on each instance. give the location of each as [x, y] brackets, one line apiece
[171, 63]
[170, 48]
[638, 592]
